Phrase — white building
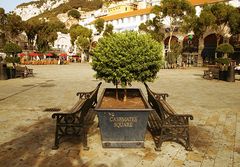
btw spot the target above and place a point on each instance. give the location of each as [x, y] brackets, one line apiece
[129, 20]
[63, 43]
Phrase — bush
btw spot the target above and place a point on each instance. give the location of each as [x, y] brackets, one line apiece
[225, 61]
[12, 48]
[74, 13]
[125, 57]
[225, 48]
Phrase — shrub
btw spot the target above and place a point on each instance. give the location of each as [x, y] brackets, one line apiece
[125, 57]
[74, 13]
[225, 48]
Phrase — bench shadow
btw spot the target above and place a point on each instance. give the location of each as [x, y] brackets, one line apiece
[33, 148]
[200, 138]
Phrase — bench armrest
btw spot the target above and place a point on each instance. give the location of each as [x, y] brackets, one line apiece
[62, 114]
[65, 118]
[160, 96]
[187, 116]
[84, 95]
[177, 120]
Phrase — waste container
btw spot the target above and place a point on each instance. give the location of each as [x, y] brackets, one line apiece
[3, 71]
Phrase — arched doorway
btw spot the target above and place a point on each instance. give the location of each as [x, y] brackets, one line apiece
[209, 51]
[190, 50]
[190, 44]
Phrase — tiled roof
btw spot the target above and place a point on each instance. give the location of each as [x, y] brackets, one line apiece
[201, 2]
[148, 10]
[127, 14]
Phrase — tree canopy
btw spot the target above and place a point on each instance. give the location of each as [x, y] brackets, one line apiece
[47, 34]
[108, 30]
[126, 57]
[74, 13]
[173, 13]
[154, 28]
[99, 25]
[12, 49]
[220, 17]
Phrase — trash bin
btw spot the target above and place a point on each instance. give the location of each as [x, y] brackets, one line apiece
[3, 71]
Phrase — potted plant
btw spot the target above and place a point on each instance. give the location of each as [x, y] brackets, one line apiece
[226, 69]
[123, 112]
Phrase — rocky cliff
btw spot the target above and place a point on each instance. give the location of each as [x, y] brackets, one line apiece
[34, 8]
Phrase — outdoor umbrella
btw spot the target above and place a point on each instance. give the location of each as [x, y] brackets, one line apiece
[49, 54]
[33, 54]
[63, 54]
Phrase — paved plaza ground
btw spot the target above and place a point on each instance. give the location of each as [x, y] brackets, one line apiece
[27, 131]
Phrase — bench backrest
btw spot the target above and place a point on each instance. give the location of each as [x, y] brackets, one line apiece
[154, 102]
[87, 104]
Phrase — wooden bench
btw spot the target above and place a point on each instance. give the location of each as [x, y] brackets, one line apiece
[23, 71]
[164, 124]
[78, 120]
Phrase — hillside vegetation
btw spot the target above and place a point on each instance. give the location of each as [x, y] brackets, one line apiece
[85, 5]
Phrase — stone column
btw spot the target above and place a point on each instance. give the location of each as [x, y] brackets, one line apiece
[200, 49]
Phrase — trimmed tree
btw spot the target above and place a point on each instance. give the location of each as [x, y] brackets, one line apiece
[12, 49]
[126, 57]
[226, 49]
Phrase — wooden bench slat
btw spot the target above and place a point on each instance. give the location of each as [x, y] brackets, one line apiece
[76, 122]
[170, 126]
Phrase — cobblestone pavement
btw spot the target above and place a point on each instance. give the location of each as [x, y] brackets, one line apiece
[27, 132]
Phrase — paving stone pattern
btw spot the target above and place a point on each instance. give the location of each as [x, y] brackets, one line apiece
[27, 130]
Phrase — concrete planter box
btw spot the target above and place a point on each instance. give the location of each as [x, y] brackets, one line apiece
[123, 126]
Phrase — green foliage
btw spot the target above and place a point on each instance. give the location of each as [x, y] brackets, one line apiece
[108, 30]
[47, 34]
[154, 28]
[11, 26]
[85, 5]
[78, 30]
[13, 60]
[216, 16]
[126, 57]
[225, 61]
[225, 48]
[176, 11]
[12, 49]
[2, 11]
[174, 54]
[74, 13]
[99, 24]
[83, 43]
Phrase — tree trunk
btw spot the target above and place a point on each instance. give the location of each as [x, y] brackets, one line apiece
[125, 95]
[169, 41]
[116, 91]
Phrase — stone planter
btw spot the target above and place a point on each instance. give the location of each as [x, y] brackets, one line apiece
[122, 124]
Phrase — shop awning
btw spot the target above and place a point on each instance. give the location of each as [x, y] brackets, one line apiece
[63, 54]
[21, 54]
[49, 54]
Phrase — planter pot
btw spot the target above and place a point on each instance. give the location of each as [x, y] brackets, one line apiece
[122, 124]
[11, 73]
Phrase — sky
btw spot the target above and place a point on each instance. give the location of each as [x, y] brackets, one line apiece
[10, 5]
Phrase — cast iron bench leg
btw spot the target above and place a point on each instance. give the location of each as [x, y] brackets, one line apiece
[85, 144]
